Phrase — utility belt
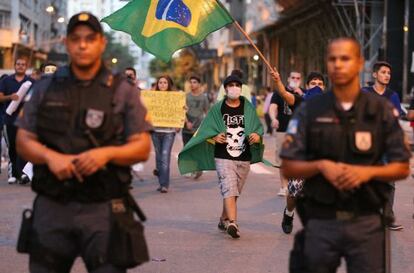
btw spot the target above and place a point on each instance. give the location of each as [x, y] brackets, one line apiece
[329, 213]
[113, 182]
[127, 246]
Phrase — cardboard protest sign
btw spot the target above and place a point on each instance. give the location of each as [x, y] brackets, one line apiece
[165, 108]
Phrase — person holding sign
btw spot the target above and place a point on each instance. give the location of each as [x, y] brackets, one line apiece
[163, 139]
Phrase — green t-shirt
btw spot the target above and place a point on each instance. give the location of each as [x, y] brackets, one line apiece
[197, 108]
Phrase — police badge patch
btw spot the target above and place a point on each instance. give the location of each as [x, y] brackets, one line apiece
[292, 127]
[363, 141]
[94, 118]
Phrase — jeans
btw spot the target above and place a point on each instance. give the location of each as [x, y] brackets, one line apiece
[268, 121]
[163, 143]
[17, 163]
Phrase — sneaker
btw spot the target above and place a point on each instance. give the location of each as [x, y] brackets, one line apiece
[12, 180]
[198, 174]
[24, 180]
[282, 192]
[233, 230]
[222, 225]
[164, 190]
[394, 226]
[159, 188]
[287, 223]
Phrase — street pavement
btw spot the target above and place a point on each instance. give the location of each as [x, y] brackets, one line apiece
[182, 225]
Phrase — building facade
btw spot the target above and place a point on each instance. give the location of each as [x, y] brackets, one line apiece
[297, 40]
[102, 8]
[30, 28]
[233, 49]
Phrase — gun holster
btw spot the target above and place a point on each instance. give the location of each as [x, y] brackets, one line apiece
[26, 232]
[127, 244]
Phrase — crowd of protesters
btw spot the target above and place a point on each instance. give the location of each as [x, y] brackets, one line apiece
[205, 121]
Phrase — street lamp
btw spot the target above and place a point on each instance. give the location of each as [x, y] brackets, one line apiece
[256, 57]
[50, 9]
[114, 60]
[61, 20]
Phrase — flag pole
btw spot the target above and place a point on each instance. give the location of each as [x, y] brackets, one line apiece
[245, 34]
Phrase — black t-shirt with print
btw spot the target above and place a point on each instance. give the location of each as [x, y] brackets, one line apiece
[237, 146]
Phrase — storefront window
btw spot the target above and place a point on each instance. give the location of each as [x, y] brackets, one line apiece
[4, 19]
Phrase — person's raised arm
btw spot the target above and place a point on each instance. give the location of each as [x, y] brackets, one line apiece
[281, 90]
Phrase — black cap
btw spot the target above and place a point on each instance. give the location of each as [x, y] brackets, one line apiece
[232, 78]
[84, 18]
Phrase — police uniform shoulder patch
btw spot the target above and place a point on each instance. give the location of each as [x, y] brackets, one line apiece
[292, 127]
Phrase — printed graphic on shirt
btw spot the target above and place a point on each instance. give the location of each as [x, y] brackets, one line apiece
[235, 134]
[286, 109]
[237, 145]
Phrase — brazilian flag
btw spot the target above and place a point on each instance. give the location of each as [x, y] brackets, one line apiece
[161, 27]
[198, 153]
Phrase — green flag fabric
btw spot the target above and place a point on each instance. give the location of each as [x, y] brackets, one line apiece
[198, 154]
[161, 27]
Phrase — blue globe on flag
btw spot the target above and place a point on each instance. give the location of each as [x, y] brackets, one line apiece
[174, 11]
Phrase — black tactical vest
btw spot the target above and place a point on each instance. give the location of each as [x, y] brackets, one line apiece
[354, 137]
[72, 119]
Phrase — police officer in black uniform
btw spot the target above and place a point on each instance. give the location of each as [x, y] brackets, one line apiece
[339, 142]
[82, 129]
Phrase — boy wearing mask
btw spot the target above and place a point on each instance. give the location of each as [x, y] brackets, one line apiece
[236, 130]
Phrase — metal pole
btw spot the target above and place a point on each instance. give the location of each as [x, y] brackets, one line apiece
[405, 56]
[269, 66]
[385, 28]
[254, 46]
[362, 18]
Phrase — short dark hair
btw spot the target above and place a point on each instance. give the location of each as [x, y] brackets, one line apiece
[25, 58]
[238, 73]
[132, 69]
[195, 77]
[377, 66]
[315, 75]
[352, 40]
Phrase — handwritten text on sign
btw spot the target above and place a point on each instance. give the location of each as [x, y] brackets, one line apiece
[166, 108]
